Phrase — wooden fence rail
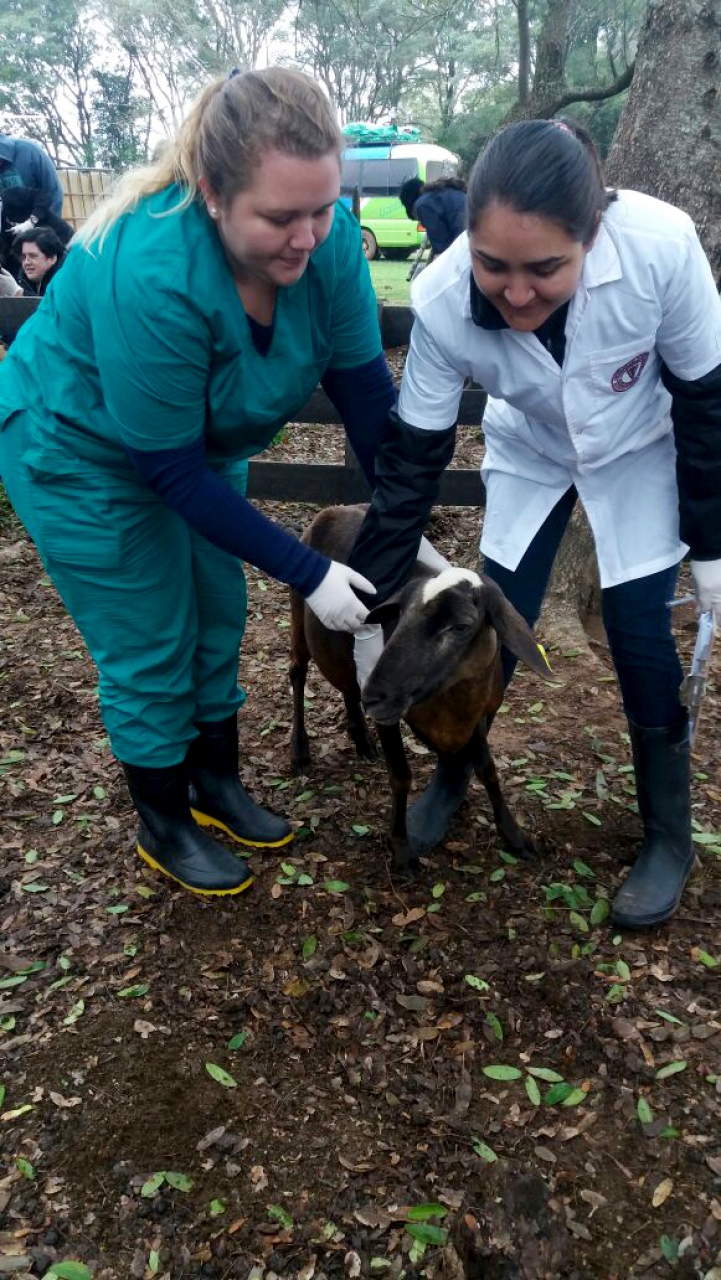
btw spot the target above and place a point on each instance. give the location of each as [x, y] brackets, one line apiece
[322, 482]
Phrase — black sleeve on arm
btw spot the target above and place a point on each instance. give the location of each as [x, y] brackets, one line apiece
[696, 415]
[409, 467]
[363, 396]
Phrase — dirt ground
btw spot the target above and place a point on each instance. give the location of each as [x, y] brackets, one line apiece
[472, 1075]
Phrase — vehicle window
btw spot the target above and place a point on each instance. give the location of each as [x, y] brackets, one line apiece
[436, 169]
[374, 180]
[399, 170]
[350, 176]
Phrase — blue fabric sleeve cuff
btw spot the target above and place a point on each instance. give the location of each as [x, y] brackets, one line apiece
[182, 478]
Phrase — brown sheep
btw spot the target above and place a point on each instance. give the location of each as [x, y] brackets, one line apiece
[440, 671]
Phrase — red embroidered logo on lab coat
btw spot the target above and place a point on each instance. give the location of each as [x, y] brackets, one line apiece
[629, 373]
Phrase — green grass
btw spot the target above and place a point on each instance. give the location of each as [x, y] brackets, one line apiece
[389, 280]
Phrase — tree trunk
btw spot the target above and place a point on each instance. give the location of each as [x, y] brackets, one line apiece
[668, 138]
[524, 53]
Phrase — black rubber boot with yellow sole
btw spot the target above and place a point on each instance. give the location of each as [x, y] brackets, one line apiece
[217, 796]
[170, 841]
[652, 890]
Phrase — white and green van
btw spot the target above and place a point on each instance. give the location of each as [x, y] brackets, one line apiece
[377, 172]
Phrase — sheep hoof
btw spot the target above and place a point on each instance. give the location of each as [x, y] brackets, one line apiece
[405, 862]
[300, 762]
[523, 845]
[365, 747]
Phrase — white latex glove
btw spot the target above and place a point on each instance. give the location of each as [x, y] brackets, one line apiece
[20, 228]
[335, 602]
[707, 581]
[430, 558]
[367, 649]
[9, 287]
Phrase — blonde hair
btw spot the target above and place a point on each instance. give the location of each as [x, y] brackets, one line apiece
[232, 124]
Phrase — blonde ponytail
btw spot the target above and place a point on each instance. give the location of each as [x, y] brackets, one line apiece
[175, 163]
[231, 125]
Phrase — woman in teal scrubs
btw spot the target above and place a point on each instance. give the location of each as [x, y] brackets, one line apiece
[196, 314]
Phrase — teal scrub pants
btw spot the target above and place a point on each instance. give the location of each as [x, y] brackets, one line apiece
[161, 610]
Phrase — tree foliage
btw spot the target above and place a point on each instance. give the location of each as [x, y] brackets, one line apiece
[100, 85]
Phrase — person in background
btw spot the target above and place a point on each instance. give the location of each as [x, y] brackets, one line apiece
[23, 209]
[592, 319]
[440, 206]
[41, 257]
[194, 316]
[26, 164]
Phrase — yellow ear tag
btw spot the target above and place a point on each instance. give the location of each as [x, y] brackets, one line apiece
[542, 652]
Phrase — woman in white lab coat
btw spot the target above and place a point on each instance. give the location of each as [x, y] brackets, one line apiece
[592, 319]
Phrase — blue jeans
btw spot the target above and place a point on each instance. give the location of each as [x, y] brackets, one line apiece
[637, 621]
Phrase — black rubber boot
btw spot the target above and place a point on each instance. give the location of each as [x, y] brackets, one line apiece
[652, 891]
[430, 816]
[169, 840]
[217, 796]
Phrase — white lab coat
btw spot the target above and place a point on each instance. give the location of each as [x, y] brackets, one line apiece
[602, 422]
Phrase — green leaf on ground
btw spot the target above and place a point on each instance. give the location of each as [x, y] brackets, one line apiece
[179, 1181]
[423, 1212]
[153, 1184]
[575, 1097]
[494, 1022]
[427, 1234]
[279, 1214]
[669, 1248]
[222, 1077]
[68, 1271]
[600, 911]
[558, 1093]
[498, 1071]
[533, 1091]
[483, 1150]
[671, 1069]
[643, 1111]
[77, 1010]
[478, 984]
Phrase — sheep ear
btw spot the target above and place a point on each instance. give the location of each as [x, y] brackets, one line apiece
[513, 630]
[385, 613]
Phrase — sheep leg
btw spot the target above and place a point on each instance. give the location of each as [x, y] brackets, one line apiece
[405, 858]
[357, 725]
[299, 660]
[430, 816]
[516, 839]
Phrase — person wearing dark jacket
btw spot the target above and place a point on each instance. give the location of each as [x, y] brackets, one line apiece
[440, 206]
[22, 209]
[26, 164]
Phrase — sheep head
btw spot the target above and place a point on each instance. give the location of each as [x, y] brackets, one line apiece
[447, 627]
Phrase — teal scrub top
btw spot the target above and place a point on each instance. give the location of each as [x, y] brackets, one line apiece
[145, 343]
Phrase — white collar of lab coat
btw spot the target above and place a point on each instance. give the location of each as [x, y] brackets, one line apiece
[602, 264]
